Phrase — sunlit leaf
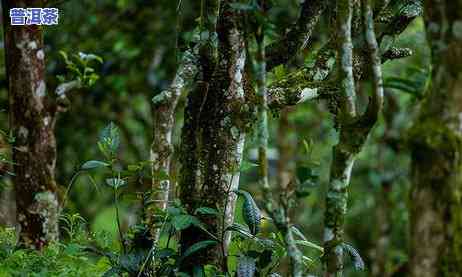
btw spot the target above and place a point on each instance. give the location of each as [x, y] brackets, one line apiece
[183, 221]
[206, 211]
[198, 246]
[94, 164]
[250, 212]
[115, 183]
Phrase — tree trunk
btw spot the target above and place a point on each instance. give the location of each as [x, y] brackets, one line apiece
[32, 122]
[213, 137]
[354, 130]
[164, 105]
[383, 214]
[436, 145]
[384, 202]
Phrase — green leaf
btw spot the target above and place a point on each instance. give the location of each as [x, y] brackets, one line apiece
[92, 79]
[196, 247]
[133, 167]
[115, 182]
[297, 232]
[110, 137]
[211, 271]
[403, 88]
[165, 253]
[173, 211]
[161, 175]
[64, 55]
[246, 165]
[309, 244]
[306, 173]
[241, 230]
[279, 72]
[61, 78]
[206, 211]
[308, 145]
[131, 262]
[90, 57]
[250, 212]
[72, 249]
[354, 255]
[407, 82]
[243, 7]
[183, 221]
[114, 271]
[198, 271]
[307, 259]
[93, 164]
[246, 267]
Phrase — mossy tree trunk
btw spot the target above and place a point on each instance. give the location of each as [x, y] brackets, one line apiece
[32, 121]
[213, 134]
[353, 129]
[219, 111]
[164, 106]
[436, 144]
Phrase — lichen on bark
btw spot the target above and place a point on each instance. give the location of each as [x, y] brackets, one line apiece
[32, 120]
[353, 129]
[212, 139]
[164, 107]
[390, 22]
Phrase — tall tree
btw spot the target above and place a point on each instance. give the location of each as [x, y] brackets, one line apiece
[164, 105]
[32, 120]
[354, 129]
[219, 111]
[436, 145]
[213, 133]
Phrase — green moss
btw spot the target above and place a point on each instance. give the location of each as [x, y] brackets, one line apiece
[436, 149]
[434, 135]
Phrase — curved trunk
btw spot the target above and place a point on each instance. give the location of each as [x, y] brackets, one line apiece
[164, 106]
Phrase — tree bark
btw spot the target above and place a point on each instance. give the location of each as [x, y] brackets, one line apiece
[32, 120]
[319, 81]
[164, 105]
[384, 202]
[298, 36]
[213, 136]
[354, 130]
[436, 145]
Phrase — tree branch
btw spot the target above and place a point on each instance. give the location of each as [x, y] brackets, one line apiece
[208, 49]
[64, 88]
[298, 36]
[310, 82]
[343, 156]
[376, 102]
[345, 59]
